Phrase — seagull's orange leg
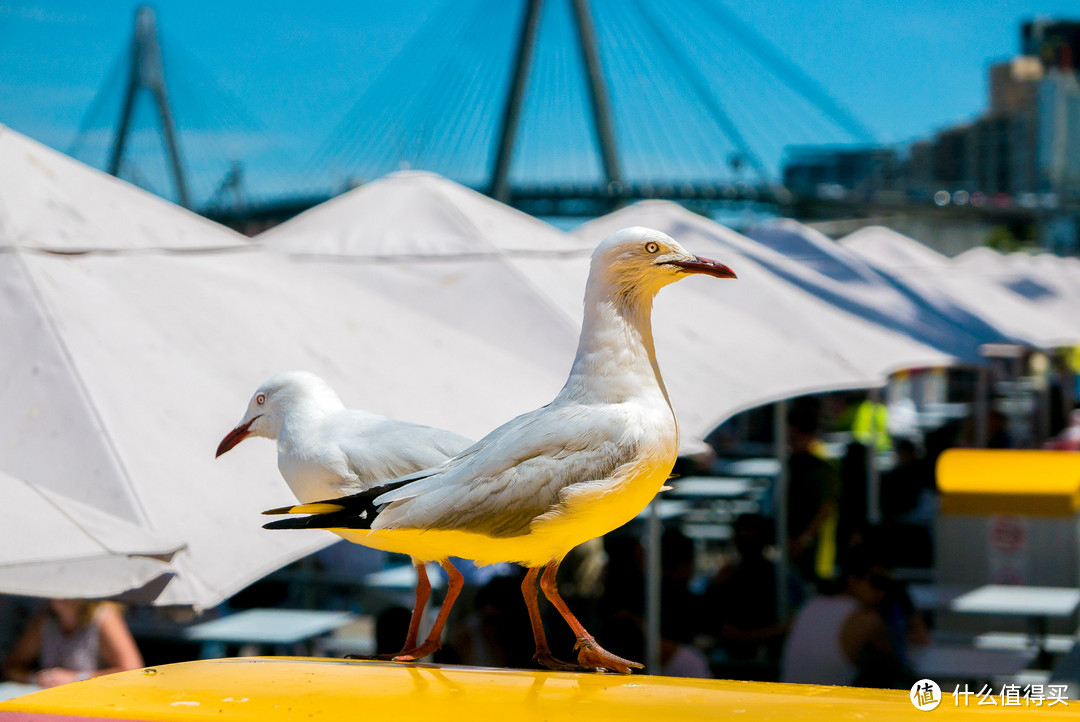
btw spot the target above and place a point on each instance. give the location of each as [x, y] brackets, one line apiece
[434, 638]
[543, 652]
[590, 654]
[423, 591]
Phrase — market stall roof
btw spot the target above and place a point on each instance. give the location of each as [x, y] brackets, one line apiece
[818, 264]
[54, 546]
[979, 305]
[135, 365]
[1046, 281]
[775, 301]
[51, 202]
[518, 284]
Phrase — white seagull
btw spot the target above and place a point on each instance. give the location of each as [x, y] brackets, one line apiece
[326, 450]
[543, 483]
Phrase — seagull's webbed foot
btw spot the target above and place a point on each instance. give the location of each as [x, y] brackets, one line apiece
[411, 655]
[547, 659]
[592, 656]
[378, 657]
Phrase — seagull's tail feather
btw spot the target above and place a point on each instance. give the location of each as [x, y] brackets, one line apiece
[319, 507]
[355, 511]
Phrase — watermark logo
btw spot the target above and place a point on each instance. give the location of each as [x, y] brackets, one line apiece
[925, 695]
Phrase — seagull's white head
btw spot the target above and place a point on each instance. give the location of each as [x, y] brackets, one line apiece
[642, 261]
[275, 400]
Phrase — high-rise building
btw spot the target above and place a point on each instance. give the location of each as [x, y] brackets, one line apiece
[864, 169]
[1027, 141]
[1059, 133]
[1054, 42]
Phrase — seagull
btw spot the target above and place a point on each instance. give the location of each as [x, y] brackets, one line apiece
[326, 450]
[553, 478]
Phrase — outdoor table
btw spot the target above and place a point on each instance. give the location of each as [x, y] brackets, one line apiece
[949, 661]
[1037, 604]
[711, 486]
[936, 597]
[752, 468]
[266, 628]
[9, 690]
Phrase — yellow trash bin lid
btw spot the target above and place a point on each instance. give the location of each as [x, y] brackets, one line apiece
[279, 689]
[1009, 481]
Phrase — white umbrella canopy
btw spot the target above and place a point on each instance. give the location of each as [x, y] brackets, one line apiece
[816, 263]
[1042, 280]
[51, 202]
[773, 300]
[414, 213]
[518, 283]
[140, 363]
[54, 546]
[716, 356]
[979, 305]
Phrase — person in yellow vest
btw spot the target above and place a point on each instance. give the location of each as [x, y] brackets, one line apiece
[813, 488]
[870, 427]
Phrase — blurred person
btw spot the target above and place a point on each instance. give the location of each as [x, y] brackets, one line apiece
[852, 495]
[741, 598]
[496, 633]
[902, 487]
[813, 487]
[843, 639]
[680, 615]
[998, 436]
[1069, 437]
[391, 624]
[70, 640]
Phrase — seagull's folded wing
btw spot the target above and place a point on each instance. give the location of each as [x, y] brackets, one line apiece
[391, 449]
[522, 470]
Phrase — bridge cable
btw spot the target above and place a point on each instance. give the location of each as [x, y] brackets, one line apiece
[798, 79]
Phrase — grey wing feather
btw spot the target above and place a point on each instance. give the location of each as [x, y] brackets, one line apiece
[517, 473]
[392, 449]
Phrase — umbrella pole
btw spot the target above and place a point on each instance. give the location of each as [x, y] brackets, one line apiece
[873, 480]
[652, 592]
[780, 508]
[982, 406]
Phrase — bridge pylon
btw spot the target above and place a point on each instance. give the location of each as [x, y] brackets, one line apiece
[146, 72]
[599, 102]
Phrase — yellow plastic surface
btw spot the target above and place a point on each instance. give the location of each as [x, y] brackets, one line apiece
[281, 689]
[1008, 481]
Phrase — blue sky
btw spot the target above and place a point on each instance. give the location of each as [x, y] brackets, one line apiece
[293, 71]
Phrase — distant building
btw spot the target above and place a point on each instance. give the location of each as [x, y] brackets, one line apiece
[1059, 133]
[1056, 43]
[813, 170]
[1024, 143]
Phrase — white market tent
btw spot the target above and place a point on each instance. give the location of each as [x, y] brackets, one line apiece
[1043, 280]
[774, 301]
[976, 303]
[818, 264]
[137, 353]
[51, 202]
[137, 365]
[55, 545]
[415, 214]
[519, 283]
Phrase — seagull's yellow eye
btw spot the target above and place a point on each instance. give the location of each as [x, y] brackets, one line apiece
[652, 247]
[260, 399]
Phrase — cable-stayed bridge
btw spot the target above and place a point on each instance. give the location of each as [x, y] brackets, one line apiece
[559, 107]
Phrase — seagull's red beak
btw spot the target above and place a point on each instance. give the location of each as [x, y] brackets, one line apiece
[707, 266]
[234, 437]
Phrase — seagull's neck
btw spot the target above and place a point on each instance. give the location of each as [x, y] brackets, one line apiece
[303, 417]
[616, 359]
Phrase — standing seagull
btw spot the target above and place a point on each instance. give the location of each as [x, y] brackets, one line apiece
[326, 450]
[541, 484]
